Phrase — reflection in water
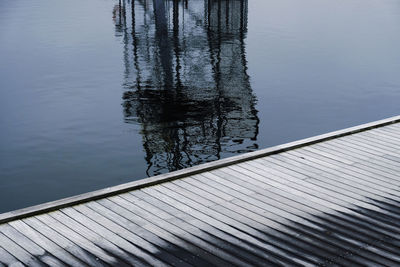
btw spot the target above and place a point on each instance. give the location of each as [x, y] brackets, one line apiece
[186, 79]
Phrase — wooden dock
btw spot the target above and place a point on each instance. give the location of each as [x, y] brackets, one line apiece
[333, 199]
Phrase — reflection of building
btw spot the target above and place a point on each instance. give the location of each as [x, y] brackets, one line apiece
[186, 79]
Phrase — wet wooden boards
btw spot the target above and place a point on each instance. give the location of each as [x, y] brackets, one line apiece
[333, 199]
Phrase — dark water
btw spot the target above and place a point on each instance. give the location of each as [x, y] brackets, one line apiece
[95, 93]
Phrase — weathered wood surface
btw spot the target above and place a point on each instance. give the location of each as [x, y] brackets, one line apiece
[327, 200]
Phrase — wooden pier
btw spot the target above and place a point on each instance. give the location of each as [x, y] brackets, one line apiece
[333, 199]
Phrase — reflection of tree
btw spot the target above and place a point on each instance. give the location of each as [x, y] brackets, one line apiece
[186, 79]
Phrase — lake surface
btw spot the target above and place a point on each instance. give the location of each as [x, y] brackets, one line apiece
[94, 93]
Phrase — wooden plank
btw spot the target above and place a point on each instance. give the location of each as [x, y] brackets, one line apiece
[78, 238]
[222, 223]
[392, 131]
[301, 192]
[264, 198]
[18, 252]
[64, 242]
[322, 180]
[327, 200]
[320, 191]
[357, 168]
[306, 189]
[395, 159]
[216, 240]
[361, 153]
[100, 237]
[167, 241]
[335, 177]
[356, 154]
[46, 207]
[361, 147]
[304, 223]
[294, 213]
[271, 230]
[328, 155]
[371, 142]
[143, 238]
[368, 138]
[184, 239]
[6, 259]
[31, 247]
[196, 197]
[284, 185]
[296, 165]
[388, 134]
[359, 144]
[195, 227]
[110, 235]
[378, 166]
[376, 182]
[394, 127]
[341, 171]
[46, 243]
[124, 238]
[290, 184]
[382, 136]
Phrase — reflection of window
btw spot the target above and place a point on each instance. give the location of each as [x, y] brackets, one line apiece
[186, 80]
